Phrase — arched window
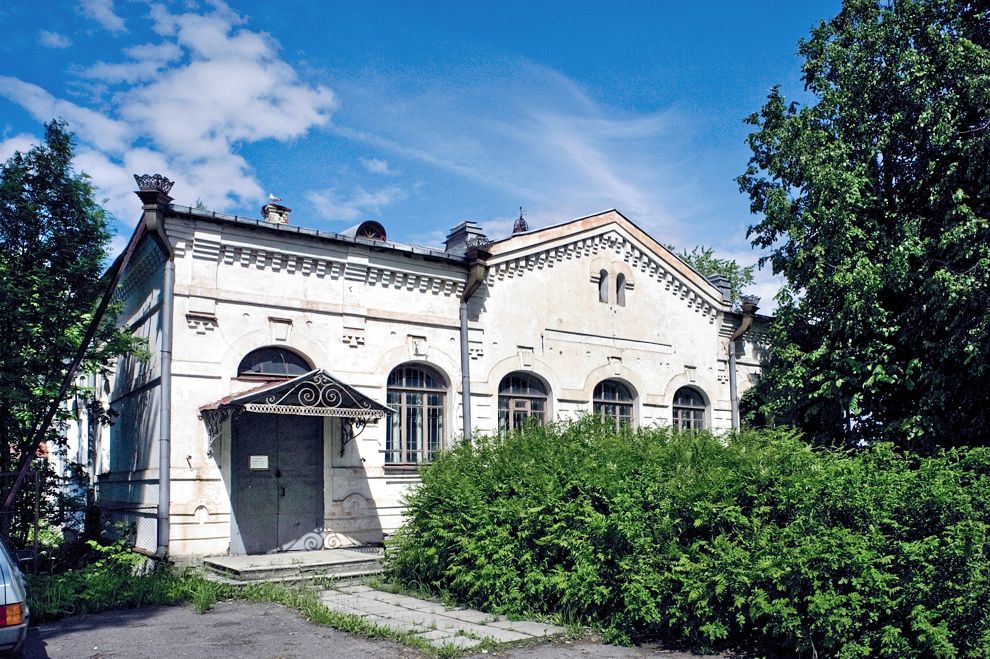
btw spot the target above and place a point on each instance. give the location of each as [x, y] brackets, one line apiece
[273, 362]
[520, 396]
[613, 401]
[416, 430]
[689, 409]
[603, 286]
[620, 289]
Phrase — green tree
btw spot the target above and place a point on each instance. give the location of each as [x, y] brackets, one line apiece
[703, 260]
[875, 204]
[53, 245]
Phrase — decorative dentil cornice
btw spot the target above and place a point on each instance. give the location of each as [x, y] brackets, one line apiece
[211, 247]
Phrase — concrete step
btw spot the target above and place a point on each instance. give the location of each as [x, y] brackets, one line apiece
[297, 566]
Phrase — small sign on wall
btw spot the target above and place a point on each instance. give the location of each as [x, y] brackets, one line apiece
[259, 462]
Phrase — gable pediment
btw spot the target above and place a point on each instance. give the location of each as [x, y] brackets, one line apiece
[612, 234]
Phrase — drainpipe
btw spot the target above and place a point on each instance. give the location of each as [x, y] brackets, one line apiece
[154, 194]
[477, 273]
[748, 309]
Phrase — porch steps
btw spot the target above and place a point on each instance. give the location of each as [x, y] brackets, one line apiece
[350, 563]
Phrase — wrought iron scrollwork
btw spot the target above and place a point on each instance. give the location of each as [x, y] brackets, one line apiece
[349, 429]
[316, 396]
[214, 420]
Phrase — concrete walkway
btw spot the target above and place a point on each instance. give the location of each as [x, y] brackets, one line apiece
[438, 624]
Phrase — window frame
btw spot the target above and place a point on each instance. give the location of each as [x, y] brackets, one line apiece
[510, 402]
[600, 402]
[688, 417]
[299, 361]
[415, 411]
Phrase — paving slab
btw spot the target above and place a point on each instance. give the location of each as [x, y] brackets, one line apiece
[433, 621]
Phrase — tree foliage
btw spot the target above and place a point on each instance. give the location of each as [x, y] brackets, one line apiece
[53, 244]
[875, 204]
[703, 260]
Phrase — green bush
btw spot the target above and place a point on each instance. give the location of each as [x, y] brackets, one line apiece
[753, 541]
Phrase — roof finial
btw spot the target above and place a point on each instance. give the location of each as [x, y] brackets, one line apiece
[520, 226]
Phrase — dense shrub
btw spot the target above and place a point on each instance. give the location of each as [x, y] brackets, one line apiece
[753, 541]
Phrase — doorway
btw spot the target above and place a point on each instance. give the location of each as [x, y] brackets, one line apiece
[277, 483]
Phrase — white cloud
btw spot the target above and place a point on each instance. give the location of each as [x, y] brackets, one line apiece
[183, 106]
[53, 39]
[103, 13]
[377, 166]
[21, 142]
[331, 204]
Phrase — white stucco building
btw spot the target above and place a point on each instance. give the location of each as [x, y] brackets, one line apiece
[298, 377]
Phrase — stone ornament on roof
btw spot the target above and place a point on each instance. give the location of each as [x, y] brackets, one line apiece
[153, 182]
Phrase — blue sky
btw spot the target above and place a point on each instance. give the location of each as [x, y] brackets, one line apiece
[417, 114]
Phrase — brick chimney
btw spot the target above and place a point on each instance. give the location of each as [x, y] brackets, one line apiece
[465, 237]
[275, 213]
[721, 282]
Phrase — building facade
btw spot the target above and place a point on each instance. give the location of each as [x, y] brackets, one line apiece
[298, 378]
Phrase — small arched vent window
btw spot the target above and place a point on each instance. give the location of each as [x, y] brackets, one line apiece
[273, 362]
[603, 286]
[620, 289]
[371, 230]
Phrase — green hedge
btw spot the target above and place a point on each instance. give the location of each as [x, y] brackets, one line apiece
[754, 542]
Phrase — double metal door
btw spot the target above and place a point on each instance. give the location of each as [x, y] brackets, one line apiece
[277, 464]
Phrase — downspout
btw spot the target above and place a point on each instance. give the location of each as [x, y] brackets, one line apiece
[477, 274]
[748, 309]
[156, 201]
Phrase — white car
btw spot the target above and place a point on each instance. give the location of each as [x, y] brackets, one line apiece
[14, 614]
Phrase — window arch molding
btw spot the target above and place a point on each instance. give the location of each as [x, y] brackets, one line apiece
[538, 368]
[420, 394]
[270, 361]
[616, 371]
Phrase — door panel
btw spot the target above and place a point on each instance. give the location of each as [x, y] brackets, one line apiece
[277, 464]
[300, 482]
[255, 502]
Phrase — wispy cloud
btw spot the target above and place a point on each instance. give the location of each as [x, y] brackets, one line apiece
[331, 204]
[89, 125]
[532, 135]
[145, 61]
[53, 39]
[102, 12]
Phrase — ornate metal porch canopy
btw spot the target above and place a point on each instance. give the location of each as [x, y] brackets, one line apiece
[316, 393]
